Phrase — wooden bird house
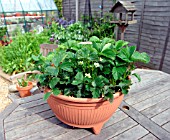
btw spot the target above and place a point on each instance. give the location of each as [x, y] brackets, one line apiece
[125, 15]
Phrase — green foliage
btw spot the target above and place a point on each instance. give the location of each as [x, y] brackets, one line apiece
[90, 71]
[79, 32]
[17, 56]
[22, 82]
[74, 31]
[3, 31]
[59, 6]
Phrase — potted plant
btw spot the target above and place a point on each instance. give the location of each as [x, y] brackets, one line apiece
[85, 84]
[24, 87]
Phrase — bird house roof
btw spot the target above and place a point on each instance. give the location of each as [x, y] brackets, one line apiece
[123, 6]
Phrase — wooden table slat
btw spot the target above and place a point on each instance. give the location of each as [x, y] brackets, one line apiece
[23, 122]
[139, 86]
[23, 113]
[113, 130]
[149, 137]
[80, 133]
[32, 128]
[49, 132]
[167, 126]
[157, 109]
[134, 133]
[30, 98]
[162, 118]
[148, 93]
[30, 104]
[150, 102]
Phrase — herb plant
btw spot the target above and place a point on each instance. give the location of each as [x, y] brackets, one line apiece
[22, 82]
[89, 71]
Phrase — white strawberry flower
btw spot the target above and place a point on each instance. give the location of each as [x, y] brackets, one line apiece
[87, 75]
[80, 62]
[101, 59]
[96, 65]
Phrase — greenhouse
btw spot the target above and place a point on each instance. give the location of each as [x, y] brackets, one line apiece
[26, 14]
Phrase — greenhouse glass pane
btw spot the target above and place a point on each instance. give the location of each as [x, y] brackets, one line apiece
[47, 5]
[1, 11]
[11, 6]
[30, 5]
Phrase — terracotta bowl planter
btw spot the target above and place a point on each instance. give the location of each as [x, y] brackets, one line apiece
[25, 91]
[84, 112]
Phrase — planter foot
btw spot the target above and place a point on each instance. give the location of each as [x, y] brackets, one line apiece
[97, 128]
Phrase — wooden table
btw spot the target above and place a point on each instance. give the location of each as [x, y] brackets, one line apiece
[148, 117]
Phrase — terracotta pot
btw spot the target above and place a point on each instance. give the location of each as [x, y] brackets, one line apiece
[84, 112]
[25, 91]
[18, 14]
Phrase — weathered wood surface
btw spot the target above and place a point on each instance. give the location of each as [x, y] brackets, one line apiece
[148, 118]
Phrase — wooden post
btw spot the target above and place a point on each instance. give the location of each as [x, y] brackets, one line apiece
[77, 10]
[126, 18]
[123, 28]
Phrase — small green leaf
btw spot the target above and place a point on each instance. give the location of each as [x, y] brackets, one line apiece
[94, 39]
[137, 76]
[142, 57]
[47, 95]
[79, 76]
[75, 82]
[95, 93]
[95, 46]
[109, 96]
[35, 58]
[125, 91]
[124, 54]
[53, 82]
[78, 94]
[67, 66]
[109, 53]
[107, 40]
[117, 72]
[131, 50]
[56, 91]
[107, 46]
[60, 58]
[52, 70]
[119, 44]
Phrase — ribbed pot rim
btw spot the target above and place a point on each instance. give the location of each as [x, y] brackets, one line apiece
[30, 85]
[84, 100]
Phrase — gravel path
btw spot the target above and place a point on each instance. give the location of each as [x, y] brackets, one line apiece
[4, 100]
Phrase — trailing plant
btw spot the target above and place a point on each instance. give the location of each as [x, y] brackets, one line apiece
[89, 71]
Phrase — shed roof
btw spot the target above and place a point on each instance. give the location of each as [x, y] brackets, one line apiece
[127, 5]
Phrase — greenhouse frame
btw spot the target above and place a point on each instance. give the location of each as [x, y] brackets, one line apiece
[26, 14]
